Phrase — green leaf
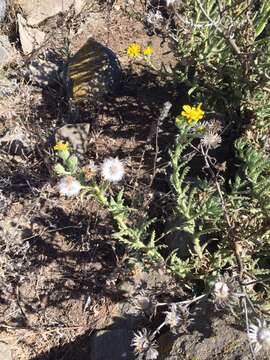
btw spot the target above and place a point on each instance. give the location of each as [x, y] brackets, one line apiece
[60, 170]
[64, 155]
[72, 163]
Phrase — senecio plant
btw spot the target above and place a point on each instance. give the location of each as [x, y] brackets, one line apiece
[75, 180]
[227, 222]
[223, 222]
[222, 216]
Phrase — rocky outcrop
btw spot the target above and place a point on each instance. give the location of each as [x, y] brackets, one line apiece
[3, 9]
[93, 72]
[36, 11]
[6, 50]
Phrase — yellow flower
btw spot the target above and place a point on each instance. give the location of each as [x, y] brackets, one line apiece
[61, 146]
[134, 50]
[192, 114]
[148, 51]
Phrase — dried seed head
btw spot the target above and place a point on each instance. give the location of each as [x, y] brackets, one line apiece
[177, 318]
[145, 303]
[259, 335]
[214, 126]
[144, 345]
[221, 290]
[211, 140]
[69, 186]
[112, 169]
[90, 171]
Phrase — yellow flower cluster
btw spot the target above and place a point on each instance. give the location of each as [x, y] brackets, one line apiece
[61, 146]
[191, 113]
[148, 51]
[134, 50]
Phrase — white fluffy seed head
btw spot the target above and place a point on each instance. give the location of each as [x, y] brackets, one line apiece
[221, 290]
[112, 169]
[211, 140]
[259, 336]
[264, 337]
[69, 186]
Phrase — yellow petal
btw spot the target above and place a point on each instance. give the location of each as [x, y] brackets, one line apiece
[187, 108]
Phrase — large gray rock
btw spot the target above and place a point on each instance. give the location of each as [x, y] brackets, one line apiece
[111, 345]
[16, 142]
[5, 351]
[77, 135]
[6, 50]
[212, 336]
[3, 8]
[45, 69]
[30, 38]
[94, 71]
[36, 11]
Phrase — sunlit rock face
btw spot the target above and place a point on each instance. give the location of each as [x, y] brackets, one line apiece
[93, 72]
[3, 8]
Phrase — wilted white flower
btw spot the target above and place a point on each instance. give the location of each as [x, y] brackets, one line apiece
[112, 169]
[172, 317]
[224, 293]
[214, 126]
[145, 302]
[154, 18]
[129, 2]
[177, 318]
[144, 345]
[259, 335]
[221, 292]
[69, 186]
[173, 2]
[90, 170]
[211, 140]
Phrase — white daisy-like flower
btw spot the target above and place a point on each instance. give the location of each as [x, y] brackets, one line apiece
[211, 140]
[259, 335]
[69, 186]
[112, 169]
